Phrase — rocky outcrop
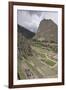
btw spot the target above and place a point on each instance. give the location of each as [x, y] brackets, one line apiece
[47, 31]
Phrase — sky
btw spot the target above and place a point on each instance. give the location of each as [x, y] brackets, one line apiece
[31, 19]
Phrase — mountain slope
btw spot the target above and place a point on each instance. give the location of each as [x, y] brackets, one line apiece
[47, 30]
[24, 42]
[25, 32]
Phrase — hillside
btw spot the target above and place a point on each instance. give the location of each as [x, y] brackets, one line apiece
[36, 58]
[47, 31]
[24, 38]
[25, 32]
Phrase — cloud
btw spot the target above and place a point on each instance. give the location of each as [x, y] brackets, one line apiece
[31, 19]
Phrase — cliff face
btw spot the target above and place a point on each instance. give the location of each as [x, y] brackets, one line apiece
[24, 42]
[47, 31]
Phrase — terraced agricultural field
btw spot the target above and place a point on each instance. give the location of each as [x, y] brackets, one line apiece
[41, 64]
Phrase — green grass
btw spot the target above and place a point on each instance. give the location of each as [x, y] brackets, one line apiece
[33, 68]
[44, 56]
[49, 49]
[49, 62]
[20, 72]
[21, 75]
[37, 44]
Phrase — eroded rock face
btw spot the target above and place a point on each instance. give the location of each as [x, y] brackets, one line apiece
[24, 43]
[47, 31]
